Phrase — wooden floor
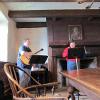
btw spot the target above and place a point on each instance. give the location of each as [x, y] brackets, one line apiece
[63, 93]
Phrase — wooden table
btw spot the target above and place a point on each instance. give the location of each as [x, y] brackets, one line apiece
[86, 81]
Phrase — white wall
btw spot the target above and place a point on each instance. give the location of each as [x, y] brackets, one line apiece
[38, 37]
[4, 9]
[11, 38]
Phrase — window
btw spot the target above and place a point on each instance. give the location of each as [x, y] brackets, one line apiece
[3, 37]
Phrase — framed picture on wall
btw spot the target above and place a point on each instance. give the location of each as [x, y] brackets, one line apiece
[75, 32]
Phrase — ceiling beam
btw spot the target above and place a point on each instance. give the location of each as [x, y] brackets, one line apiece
[46, 0]
[53, 13]
[30, 24]
[38, 0]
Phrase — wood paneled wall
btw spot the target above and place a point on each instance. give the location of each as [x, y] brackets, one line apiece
[58, 37]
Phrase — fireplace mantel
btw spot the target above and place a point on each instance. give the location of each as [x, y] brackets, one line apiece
[57, 46]
[78, 45]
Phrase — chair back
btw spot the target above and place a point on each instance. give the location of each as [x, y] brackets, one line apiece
[23, 93]
[11, 71]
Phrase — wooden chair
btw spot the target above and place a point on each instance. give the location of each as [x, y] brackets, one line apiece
[30, 92]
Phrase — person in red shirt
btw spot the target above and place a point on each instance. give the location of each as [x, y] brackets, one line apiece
[71, 63]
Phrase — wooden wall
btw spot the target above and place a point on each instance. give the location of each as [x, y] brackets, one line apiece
[58, 37]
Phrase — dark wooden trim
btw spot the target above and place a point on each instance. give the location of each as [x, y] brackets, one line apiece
[38, 0]
[45, 0]
[30, 24]
[79, 45]
[53, 13]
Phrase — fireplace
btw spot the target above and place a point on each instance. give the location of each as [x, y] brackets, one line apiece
[61, 65]
[55, 58]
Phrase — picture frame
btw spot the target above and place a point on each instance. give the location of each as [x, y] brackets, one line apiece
[75, 32]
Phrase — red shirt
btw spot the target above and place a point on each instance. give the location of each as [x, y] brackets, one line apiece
[65, 54]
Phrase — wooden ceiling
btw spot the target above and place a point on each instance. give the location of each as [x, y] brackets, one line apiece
[53, 13]
[47, 0]
[49, 13]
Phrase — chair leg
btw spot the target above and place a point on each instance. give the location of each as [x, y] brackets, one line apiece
[37, 92]
[44, 91]
[70, 90]
[53, 89]
[78, 95]
[71, 96]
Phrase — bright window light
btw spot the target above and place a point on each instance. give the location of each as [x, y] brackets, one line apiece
[3, 38]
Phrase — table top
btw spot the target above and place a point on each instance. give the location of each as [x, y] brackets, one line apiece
[89, 78]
